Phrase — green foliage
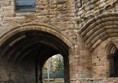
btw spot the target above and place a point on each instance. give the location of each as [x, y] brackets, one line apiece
[59, 65]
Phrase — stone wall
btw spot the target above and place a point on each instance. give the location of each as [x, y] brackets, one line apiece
[86, 10]
[73, 19]
[56, 13]
[12, 73]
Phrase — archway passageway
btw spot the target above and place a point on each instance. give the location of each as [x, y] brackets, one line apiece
[53, 70]
[114, 64]
[26, 52]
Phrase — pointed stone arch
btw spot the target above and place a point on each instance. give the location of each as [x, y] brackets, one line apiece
[111, 53]
[99, 29]
[34, 43]
[39, 27]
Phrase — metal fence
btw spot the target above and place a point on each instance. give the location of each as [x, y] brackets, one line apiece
[54, 74]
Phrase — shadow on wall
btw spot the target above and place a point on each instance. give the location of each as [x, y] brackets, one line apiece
[10, 81]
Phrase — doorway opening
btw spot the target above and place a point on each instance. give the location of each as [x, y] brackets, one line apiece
[53, 69]
[114, 64]
[26, 52]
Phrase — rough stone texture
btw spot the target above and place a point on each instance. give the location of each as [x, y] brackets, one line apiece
[15, 74]
[88, 27]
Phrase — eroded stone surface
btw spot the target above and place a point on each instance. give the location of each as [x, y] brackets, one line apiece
[90, 25]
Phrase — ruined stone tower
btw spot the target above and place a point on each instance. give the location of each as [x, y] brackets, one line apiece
[85, 32]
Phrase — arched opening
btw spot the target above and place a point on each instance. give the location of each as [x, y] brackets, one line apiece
[114, 64]
[26, 52]
[53, 69]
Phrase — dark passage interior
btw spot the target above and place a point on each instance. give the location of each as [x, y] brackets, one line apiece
[25, 53]
[114, 64]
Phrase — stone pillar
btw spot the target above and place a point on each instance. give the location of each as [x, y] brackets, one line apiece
[79, 61]
[100, 63]
[73, 64]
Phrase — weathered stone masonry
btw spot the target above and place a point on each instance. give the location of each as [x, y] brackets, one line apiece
[85, 32]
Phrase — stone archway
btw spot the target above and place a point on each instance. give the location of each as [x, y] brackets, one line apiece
[112, 52]
[96, 34]
[24, 50]
[99, 29]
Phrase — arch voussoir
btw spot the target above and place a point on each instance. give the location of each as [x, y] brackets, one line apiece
[99, 29]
